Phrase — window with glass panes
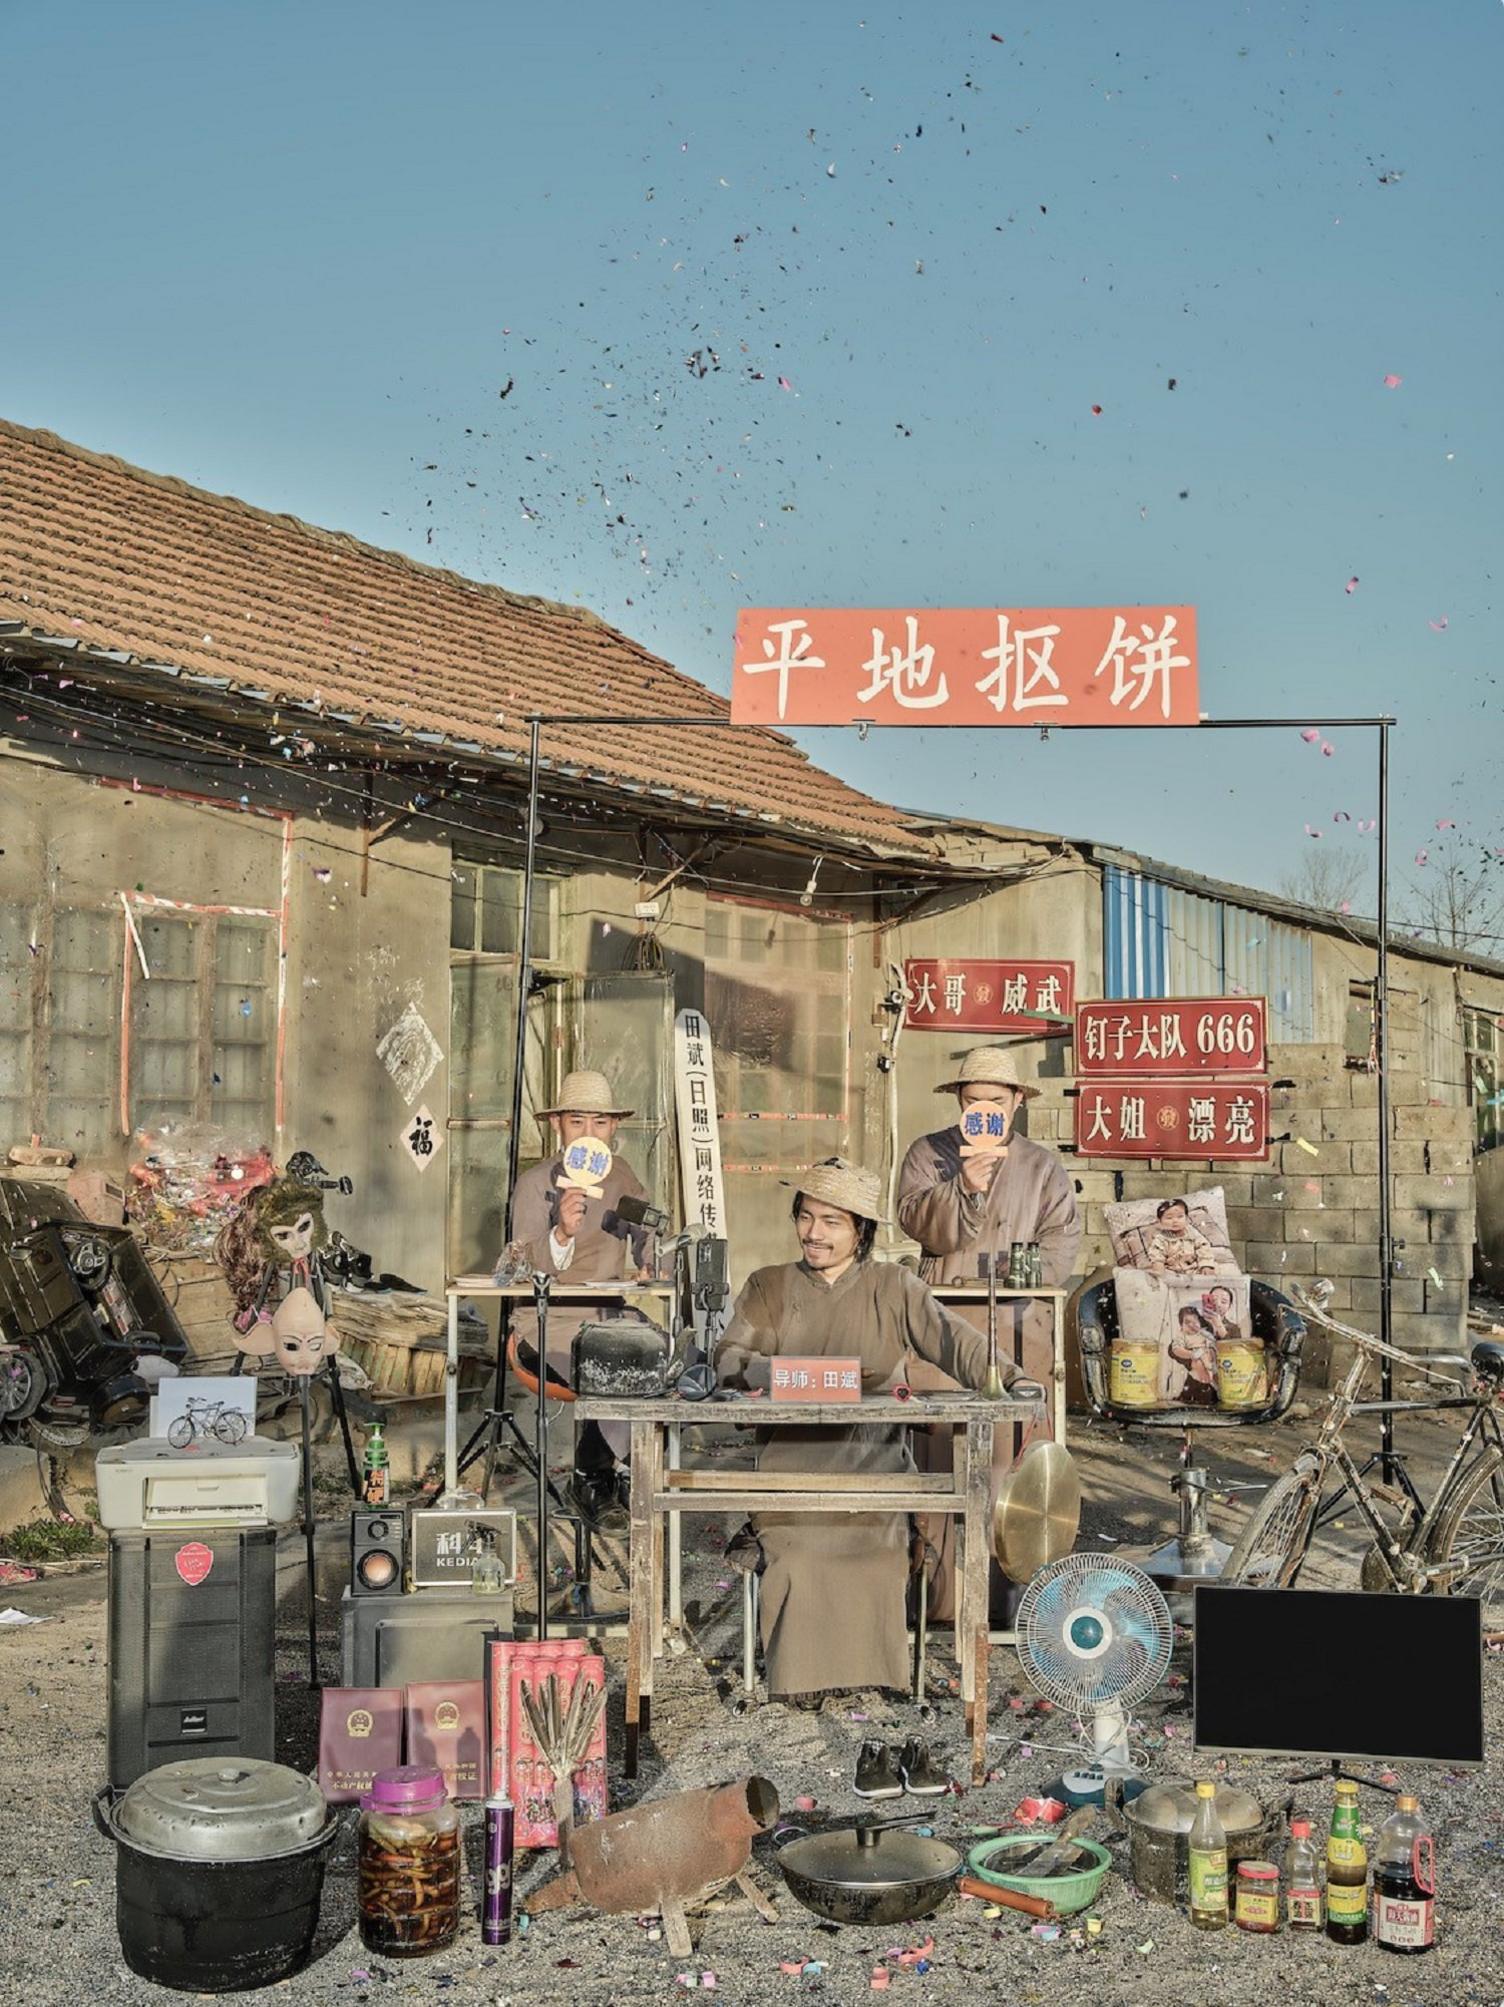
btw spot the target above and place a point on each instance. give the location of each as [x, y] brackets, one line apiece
[1483, 1038]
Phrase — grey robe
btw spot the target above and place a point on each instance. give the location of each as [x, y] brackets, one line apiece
[1031, 1198]
[833, 1590]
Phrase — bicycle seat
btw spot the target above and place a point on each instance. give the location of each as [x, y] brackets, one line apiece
[1488, 1359]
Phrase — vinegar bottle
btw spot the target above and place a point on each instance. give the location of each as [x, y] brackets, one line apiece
[1404, 1881]
[1208, 1862]
[1346, 1871]
[1302, 1879]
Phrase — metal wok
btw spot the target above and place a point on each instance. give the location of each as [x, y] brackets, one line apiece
[870, 1873]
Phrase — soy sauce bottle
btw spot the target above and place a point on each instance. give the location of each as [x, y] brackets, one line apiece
[1404, 1881]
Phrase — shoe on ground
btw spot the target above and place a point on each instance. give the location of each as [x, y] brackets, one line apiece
[877, 1772]
[916, 1768]
[593, 1495]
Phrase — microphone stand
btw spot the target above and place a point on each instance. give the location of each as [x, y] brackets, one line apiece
[542, 1289]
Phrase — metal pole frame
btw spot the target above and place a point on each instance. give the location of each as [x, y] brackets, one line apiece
[1381, 724]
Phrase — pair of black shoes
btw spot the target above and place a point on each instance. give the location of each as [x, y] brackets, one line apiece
[600, 1497]
[885, 1771]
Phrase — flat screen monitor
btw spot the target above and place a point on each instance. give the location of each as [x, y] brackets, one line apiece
[1315, 1672]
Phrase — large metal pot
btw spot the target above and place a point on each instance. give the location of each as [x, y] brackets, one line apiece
[871, 1873]
[1159, 1821]
[218, 1873]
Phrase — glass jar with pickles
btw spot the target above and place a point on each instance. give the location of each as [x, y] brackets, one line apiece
[408, 1877]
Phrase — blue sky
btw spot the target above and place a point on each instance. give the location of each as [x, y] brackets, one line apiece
[294, 251]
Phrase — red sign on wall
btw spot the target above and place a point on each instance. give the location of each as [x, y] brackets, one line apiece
[1173, 1036]
[988, 665]
[1209, 1120]
[1016, 997]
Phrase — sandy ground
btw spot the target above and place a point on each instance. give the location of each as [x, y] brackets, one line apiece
[56, 1904]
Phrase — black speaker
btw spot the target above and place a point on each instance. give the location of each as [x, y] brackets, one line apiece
[376, 1542]
[192, 1625]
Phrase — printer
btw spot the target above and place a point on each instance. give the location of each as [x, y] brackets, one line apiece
[149, 1484]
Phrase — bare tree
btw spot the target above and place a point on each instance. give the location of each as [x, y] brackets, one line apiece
[1329, 877]
[1456, 898]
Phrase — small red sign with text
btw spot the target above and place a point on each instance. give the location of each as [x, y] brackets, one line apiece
[1016, 997]
[795, 1379]
[1173, 1036]
[193, 1562]
[1211, 1121]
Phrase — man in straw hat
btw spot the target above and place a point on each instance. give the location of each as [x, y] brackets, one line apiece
[965, 1211]
[833, 1589]
[564, 1232]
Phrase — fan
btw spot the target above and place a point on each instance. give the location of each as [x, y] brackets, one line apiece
[1094, 1635]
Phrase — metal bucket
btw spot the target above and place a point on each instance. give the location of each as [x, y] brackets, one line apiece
[1133, 1374]
[1242, 1375]
[1159, 1821]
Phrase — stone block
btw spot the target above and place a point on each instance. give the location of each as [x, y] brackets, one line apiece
[1434, 1194]
[1306, 1193]
[1434, 1123]
[1275, 1258]
[1452, 1229]
[1404, 1224]
[1403, 1157]
[1406, 1090]
[1307, 1062]
[1347, 1124]
[1237, 1188]
[1330, 1228]
[1452, 1260]
[1256, 1222]
[1360, 1194]
[1337, 1260]
[1447, 1298]
[1293, 1161]
[1406, 1295]
[1423, 1331]
[1443, 1159]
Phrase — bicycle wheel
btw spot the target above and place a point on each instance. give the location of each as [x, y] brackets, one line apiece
[1473, 1524]
[230, 1426]
[1271, 1547]
[181, 1432]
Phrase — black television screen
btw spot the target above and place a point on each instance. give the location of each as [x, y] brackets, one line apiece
[1314, 1672]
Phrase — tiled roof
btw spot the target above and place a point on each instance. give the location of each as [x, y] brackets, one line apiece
[112, 558]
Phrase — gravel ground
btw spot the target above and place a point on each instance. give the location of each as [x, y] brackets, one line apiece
[56, 1904]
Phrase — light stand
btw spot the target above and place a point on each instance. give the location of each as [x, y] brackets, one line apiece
[542, 1286]
[308, 1527]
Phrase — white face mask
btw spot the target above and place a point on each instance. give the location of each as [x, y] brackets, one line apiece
[295, 1240]
[301, 1337]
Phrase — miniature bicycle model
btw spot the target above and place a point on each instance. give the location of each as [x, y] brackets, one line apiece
[203, 1419]
[1453, 1546]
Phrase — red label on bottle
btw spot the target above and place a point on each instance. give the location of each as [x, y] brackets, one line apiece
[193, 1562]
[1399, 1921]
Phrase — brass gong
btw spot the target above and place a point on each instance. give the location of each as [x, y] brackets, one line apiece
[1038, 1511]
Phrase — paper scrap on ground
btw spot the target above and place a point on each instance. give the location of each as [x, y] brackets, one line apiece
[20, 1617]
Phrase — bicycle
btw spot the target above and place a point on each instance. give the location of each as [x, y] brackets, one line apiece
[203, 1418]
[1453, 1545]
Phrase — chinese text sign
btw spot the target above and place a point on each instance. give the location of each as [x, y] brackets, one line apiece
[1173, 1037]
[1124, 665]
[793, 1379]
[1016, 997]
[1210, 1120]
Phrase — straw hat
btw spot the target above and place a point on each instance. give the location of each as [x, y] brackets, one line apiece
[585, 1093]
[839, 1183]
[992, 1065]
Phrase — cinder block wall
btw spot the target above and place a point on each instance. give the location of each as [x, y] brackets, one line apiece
[1313, 1210]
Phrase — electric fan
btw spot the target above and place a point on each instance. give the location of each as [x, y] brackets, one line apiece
[1094, 1635]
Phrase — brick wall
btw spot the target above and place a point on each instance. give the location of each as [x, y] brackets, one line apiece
[1314, 1210]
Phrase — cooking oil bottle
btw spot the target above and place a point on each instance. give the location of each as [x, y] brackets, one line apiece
[1208, 1862]
[1346, 1871]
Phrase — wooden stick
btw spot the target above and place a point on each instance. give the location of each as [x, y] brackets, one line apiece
[676, 1927]
[755, 1896]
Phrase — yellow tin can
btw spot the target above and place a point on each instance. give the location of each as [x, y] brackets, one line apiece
[1242, 1377]
[1133, 1374]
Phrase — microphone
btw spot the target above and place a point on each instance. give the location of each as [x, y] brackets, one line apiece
[640, 1213]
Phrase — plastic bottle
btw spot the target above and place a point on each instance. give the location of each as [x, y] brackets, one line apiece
[1207, 1846]
[1303, 1905]
[1404, 1881]
[377, 1475]
[1346, 1871]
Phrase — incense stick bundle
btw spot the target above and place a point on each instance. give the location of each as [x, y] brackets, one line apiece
[562, 1733]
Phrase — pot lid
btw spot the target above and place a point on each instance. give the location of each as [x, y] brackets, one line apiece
[214, 1808]
[883, 1857]
[1170, 1807]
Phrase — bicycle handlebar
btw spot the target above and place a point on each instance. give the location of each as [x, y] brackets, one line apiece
[1367, 1341]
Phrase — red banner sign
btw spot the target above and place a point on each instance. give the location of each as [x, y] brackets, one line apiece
[1079, 665]
[1212, 1121]
[1016, 997]
[1173, 1036]
[817, 1379]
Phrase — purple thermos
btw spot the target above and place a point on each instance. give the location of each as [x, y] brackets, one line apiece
[496, 1899]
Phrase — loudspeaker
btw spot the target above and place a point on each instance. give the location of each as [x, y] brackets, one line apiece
[376, 1543]
[192, 1621]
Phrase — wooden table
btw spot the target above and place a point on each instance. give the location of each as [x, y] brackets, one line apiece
[969, 1296]
[659, 1495]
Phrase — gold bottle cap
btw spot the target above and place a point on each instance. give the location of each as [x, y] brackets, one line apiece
[1407, 1804]
[1204, 1789]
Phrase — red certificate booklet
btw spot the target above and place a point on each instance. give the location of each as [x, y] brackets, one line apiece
[360, 1732]
[446, 1725]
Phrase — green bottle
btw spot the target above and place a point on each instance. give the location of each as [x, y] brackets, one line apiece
[377, 1481]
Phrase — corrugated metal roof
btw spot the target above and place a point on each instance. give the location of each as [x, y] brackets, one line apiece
[1160, 940]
